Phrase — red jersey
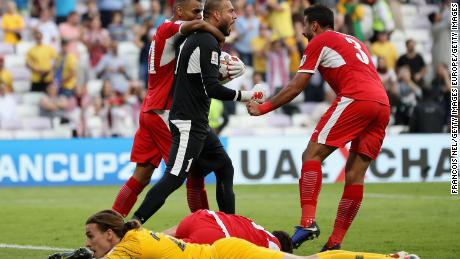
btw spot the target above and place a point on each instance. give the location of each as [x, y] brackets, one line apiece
[162, 59]
[233, 226]
[345, 63]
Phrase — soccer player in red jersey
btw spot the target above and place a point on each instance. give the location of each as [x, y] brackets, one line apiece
[360, 114]
[206, 227]
[152, 141]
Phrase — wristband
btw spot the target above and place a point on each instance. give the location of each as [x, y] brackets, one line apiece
[266, 107]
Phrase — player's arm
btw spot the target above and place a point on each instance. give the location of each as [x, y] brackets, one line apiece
[171, 231]
[200, 25]
[209, 63]
[294, 88]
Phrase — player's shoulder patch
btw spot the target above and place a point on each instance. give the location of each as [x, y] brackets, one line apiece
[215, 58]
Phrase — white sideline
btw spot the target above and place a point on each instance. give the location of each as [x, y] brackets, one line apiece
[27, 247]
[408, 197]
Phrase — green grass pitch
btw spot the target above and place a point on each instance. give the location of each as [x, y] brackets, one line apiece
[421, 218]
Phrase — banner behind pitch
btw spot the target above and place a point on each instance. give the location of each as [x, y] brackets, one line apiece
[269, 160]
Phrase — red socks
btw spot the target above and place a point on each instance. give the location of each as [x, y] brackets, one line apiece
[127, 196]
[197, 197]
[348, 207]
[309, 188]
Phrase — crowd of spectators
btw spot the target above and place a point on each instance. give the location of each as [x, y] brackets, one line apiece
[62, 48]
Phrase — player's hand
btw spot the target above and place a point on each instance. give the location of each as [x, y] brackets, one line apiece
[236, 67]
[80, 253]
[260, 93]
[253, 108]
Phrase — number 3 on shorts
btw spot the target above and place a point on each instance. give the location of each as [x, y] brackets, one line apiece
[361, 55]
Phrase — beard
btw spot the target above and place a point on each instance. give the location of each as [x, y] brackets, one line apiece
[309, 36]
[225, 29]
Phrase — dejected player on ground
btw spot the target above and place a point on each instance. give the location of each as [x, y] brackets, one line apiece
[196, 82]
[108, 236]
[152, 141]
[360, 114]
[206, 227]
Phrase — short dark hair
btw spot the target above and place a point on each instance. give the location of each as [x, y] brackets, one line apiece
[320, 14]
[181, 2]
[211, 6]
[285, 241]
[432, 17]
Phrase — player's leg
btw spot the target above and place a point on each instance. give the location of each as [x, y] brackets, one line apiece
[197, 197]
[215, 158]
[147, 154]
[311, 175]
[187, 143]
[364, 148]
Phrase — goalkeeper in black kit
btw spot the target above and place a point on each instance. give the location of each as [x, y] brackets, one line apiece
[196, 82]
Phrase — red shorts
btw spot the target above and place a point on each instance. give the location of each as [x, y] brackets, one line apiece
[152, 140]
[199, 228]
[361, 122]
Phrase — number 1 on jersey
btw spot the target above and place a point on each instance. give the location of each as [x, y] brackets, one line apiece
[361, 55]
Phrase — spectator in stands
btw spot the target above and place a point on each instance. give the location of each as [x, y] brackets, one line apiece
[139, 13]
[385, 49]
[8, 106]
[409, 94]
[247, 28]
[97, 40]
[70, 31]
[54, 106]
[40, 59]
[66, 71]
[301, 41]
[415, 62]
[90, 13]
[427, 116]
[12, 24]
[218, 119]
[353, 11]
[48, 28]
[280, 18]
[116, 28]
[277, 66]
[260, 46]
[155, 16]
[382, 18]
[112, 67]
[389, 80]
[441, 86]
[6, 78]
[63, 9]
[107, 8]
[440, 31]
[142, 41]
[38, 6]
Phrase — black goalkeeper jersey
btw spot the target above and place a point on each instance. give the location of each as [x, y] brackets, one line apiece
[196, 79]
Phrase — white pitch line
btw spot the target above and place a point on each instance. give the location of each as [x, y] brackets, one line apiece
[27, 247]
[408, 197]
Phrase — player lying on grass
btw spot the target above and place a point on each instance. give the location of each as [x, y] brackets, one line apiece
[206, 227]
[108, 236]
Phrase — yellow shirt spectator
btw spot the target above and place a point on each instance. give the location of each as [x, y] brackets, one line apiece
[41, 58]
[259, 60]
[69, 70]
[387, 51]
[10, 24]
[280, 19]
[7, 79]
